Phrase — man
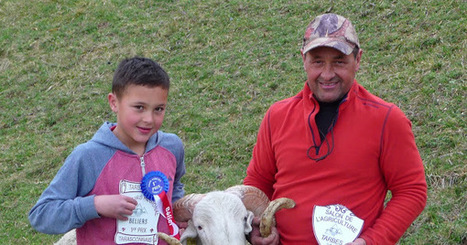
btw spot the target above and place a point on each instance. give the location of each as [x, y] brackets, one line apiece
[335, 145]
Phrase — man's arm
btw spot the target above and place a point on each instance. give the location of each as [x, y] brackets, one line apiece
[262, 167]
[404, 174]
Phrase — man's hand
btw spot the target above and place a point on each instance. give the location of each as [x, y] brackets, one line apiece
[255, 236]
[358, 241]
[115, 206]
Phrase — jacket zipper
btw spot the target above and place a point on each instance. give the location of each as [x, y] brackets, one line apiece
[142, 165]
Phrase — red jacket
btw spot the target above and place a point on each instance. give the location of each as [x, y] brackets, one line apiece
[370, 150]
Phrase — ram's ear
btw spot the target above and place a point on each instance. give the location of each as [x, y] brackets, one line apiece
[248, 222]
[190, 232]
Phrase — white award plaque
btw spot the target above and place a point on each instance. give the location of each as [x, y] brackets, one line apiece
[141, 226]
[335, 225]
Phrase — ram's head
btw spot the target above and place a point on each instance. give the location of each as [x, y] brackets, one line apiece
[225, 217]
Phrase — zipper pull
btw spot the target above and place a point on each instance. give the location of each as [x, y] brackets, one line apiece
[143, 165]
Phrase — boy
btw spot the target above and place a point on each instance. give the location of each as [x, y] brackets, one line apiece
[98, 190]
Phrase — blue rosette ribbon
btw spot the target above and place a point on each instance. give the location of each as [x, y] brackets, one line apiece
[153, 184]
[154, 187]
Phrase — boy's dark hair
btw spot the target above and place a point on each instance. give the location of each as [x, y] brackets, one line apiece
[139, 71]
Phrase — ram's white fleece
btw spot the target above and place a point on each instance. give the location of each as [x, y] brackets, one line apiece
[219, 218]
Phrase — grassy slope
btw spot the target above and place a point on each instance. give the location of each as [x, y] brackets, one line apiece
[228, 60]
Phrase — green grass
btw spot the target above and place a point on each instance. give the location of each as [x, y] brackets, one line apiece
[228, 61]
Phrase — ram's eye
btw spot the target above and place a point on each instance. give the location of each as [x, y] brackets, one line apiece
[245, 219]
[199, 227]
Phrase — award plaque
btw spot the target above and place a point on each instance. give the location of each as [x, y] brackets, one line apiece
[335, 224]
[141, 226]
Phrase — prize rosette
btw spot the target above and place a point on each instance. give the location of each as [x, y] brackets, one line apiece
[154, 183]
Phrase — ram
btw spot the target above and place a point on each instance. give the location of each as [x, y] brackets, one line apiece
[224, 217]
[219, 217]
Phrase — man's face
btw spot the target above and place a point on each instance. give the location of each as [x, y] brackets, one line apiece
[330, 73]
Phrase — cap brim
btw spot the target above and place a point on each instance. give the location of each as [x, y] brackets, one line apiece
[335, 43]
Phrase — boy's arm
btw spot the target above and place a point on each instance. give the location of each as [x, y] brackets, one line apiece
[57, 216]
[178, 188]
[64, 204]
[174, 144]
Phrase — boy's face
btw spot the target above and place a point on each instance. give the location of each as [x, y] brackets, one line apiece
[140, 112]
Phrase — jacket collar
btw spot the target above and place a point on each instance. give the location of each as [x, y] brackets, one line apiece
[307, 93]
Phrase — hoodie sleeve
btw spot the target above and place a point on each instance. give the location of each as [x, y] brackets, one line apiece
[174, 144]
[179, 191]
[64, 205]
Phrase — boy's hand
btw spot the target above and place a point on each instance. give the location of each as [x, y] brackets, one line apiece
[115, 206]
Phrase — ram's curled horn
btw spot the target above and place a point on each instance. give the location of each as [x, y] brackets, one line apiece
[183, 208]
[253, 198]
[267, 218]
[168, 239]
[256, 201]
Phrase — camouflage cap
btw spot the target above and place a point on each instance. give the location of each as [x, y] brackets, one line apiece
[330, 30]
